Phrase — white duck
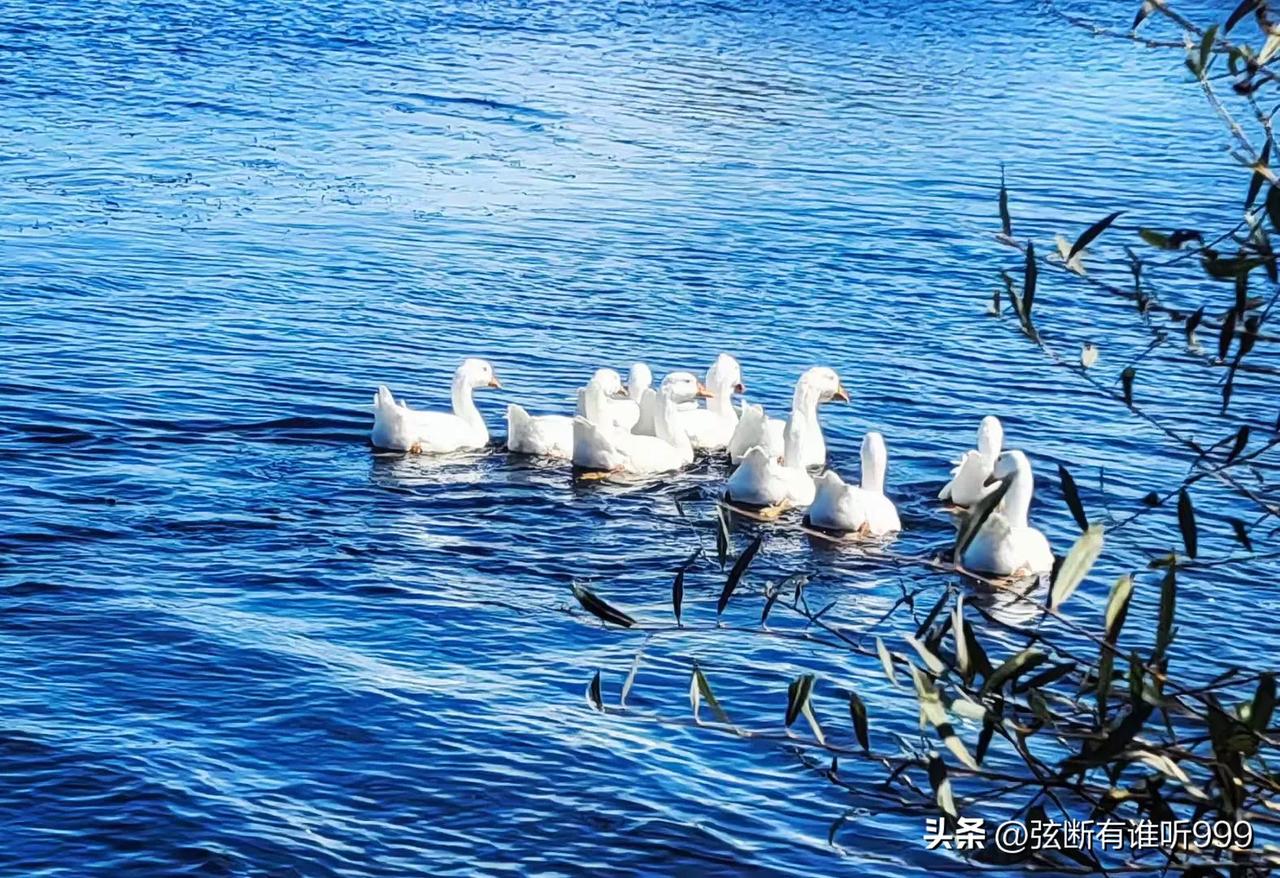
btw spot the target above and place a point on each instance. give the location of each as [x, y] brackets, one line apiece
[865, 509]
[1007, 544]
[617, 402]
[396, 427]
[685, 388]
[552, 435]
[968, 479]
[761, 481]
[710, 429]
[756, 429]
[598, 446]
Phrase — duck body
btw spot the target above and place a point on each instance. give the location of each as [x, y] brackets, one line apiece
[600, 445]
[685, 389]
[541, 435]
[760, 480]
[969, 477]
[1007, 544]
[396, 427]
[861, 508]
[711, 428]
[755, 429]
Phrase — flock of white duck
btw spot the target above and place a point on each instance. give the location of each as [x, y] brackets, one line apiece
[636, 429]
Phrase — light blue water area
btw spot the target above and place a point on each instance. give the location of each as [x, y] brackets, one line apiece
[235, 642]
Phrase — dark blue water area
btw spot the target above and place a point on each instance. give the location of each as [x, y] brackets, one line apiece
[233, 641]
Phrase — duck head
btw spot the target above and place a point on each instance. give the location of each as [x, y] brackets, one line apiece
[475, 373]
[684, 387]
[827, 383]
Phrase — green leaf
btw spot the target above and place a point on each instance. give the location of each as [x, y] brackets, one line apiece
[1089, 234]
[1072, 496]
[1242, 440]
[677, 594]
[1118, 607]
[1106, 667]
[735, 575]
[1264, 703]
[1168, 607]
[722, 536]
[886, 661]
[593, 693]
[1076, 565]
[1255, 184]
[1273, 206]
[601, 610]
[1226, 334]
[858, 713]
[931, 661]
[1011, 668]
[1187, 522]
[1245, 7]
[631, 679]
[933, 614]
[798, 696]
[941, 785]
[1192, 322]
[1029, 285]
[1147, 7]
[1006, 223]
[977, 516]
[1242, 533]
[1126, 383]
[936, 714]
[1156, 239]
[1116, 741]
[704, 689]
[963, 665]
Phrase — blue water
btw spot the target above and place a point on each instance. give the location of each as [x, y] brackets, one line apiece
[235, 642]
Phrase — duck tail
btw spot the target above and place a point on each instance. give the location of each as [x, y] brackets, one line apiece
[517, 419]
[383, 401]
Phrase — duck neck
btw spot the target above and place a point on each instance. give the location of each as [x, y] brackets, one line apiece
[667, 426]
[464, 406]
[1017, 500]
[721, 401]
[873, 467]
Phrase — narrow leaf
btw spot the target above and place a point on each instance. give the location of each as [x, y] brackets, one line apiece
[798, 696]
[1226, 334]
[1168, 608]
[1241, 533]
[1076, 565]
[1187, 522]
[886, 661]
[1118, 607]
[601, 610]
[1011, 668]
[1264, 703]
[735, 575]
[1089, 234]
[1242, 440]
[631, 679]
[1029, 285]
[677, 594]
[704, 689]
[1245, 7]
[977, 517]
[593, 693]
[1192, 322]
[1006, 223]
[1072, 496]
[1126, 383]
[858, 713]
